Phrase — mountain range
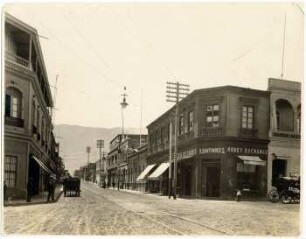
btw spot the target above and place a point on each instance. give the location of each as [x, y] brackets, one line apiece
[74, 139]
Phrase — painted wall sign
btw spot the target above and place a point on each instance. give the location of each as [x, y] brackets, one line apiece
[233, 150]
[187, 153]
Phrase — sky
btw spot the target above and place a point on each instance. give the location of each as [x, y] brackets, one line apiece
[98, 48]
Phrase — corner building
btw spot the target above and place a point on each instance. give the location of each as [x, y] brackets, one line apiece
[285, 129]
[222, 143]
[29, 152]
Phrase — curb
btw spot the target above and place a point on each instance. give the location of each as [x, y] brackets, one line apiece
[34, 203]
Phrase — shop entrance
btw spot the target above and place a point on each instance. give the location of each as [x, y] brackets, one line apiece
[279, 168]
[210, 178]
[34, 175]
[213, 181]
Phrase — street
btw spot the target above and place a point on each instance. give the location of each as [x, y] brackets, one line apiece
[112, 212]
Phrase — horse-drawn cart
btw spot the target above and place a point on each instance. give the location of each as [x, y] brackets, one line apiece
[71, 185]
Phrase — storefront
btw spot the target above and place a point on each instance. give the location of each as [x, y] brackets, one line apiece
[225, 166]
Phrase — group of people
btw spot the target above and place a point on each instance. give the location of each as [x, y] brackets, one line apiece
[51, 184]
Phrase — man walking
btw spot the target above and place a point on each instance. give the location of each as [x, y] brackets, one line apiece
[51, 188]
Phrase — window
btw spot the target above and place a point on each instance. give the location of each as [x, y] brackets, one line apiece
[190, 121]
[13, 101]
[162, 135]
[247, 117]
[181, 124]
[33, 112]
[299, 119]
[212, 116]
[10, 170]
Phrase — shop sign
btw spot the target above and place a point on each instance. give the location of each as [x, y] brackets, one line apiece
[187, 153]
[233, 150]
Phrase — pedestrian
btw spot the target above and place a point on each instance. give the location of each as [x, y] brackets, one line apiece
[51, 188]
[238, 195]
[29, 189]
[104, 185]
[5, 191]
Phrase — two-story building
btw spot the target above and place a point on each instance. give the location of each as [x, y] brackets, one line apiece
[136, 164]
[28, 102]
[222, 143]
[120, 147]
[285, 129]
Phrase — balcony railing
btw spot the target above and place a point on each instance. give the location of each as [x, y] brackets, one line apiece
[17, 60]
[186, 136]
[291, 135]
[17, 122]
[212, 132]
[249, 133]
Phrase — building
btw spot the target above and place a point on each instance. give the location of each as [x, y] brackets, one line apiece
[28, 106]
[136, 163]
[222, 143]
[285, 129]
[120, 147]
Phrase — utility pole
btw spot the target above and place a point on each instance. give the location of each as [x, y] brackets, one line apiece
[100, 145]
[175, 92]
[88, 155]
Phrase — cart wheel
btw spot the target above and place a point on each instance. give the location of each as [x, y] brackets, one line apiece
[285, 198]
[273, 196]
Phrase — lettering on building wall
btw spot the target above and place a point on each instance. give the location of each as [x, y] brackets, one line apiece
[187, 153]
[233, 150]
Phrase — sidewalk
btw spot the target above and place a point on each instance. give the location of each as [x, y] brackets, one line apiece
[37, 199]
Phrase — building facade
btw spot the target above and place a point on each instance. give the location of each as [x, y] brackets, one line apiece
[29, 153]
[120, 147]
[136, 163]
[285, 129]
[222, 143]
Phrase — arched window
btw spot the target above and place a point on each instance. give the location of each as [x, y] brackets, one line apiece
[13, 103]
[299, 118]
[284, 115]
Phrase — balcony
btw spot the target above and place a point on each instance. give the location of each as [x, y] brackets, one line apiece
[11, 57]
[212, 132]
[291, 135]
[248, 133]
[17, 122]
[186, 136]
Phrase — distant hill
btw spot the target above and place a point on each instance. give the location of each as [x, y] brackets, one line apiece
[74, 139]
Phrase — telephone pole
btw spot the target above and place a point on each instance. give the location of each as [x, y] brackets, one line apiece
[100, 145]
[175, 92]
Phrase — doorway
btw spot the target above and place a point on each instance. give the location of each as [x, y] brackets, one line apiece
[279, 169]
[34, 175]
[213, 181]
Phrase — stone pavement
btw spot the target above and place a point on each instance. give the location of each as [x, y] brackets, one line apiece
[37, 199]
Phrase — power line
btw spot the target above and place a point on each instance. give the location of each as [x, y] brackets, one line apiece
[73, 52]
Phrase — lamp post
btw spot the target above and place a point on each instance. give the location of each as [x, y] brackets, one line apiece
[123, 104]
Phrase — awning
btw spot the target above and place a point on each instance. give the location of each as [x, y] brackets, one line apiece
[145, 172]
[252, 160]
[41, 164]
[159, 171]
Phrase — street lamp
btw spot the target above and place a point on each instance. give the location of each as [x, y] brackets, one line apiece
[123, 104]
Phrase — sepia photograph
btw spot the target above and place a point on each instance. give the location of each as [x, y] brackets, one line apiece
[152, 119]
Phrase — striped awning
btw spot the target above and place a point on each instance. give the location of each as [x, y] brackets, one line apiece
[145, 172]
[159, 171]
[43, 166]
[252, 160]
